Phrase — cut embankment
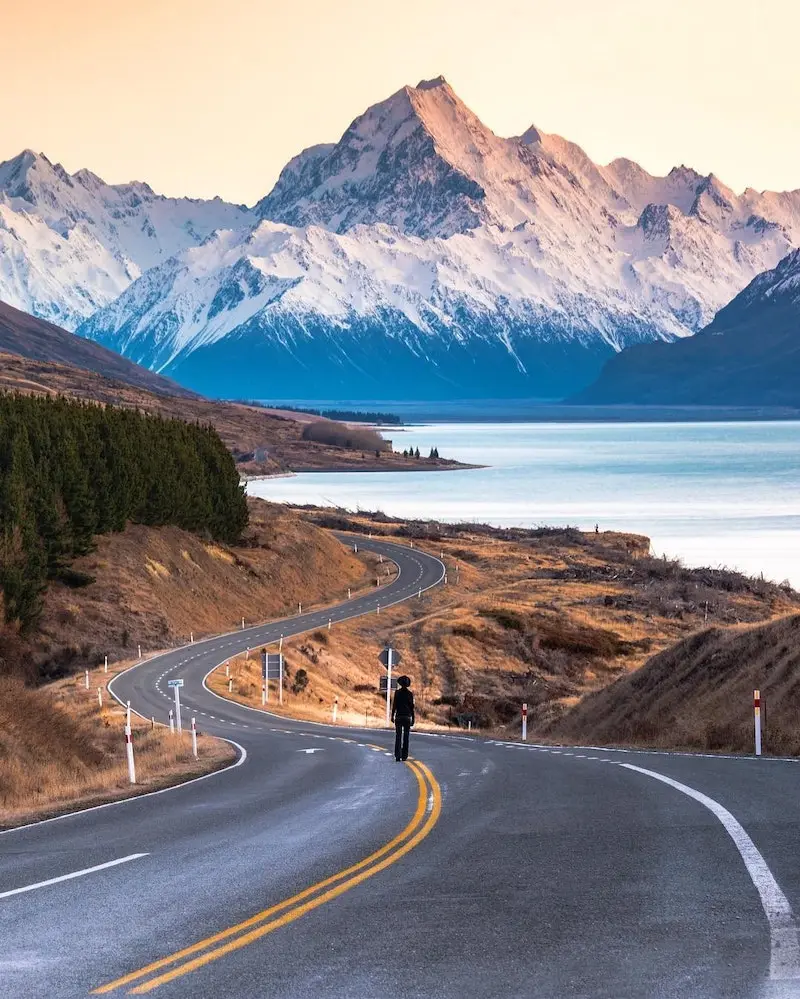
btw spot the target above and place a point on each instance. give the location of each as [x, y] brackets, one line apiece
[698, 695]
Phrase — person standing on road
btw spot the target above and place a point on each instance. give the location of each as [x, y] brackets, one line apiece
[402, 716]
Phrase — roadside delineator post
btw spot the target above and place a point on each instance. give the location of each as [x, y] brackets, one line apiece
[524, 722]
[105, 664]
[419, 595]
[378, 609]
[194, 736]
[329, 624]
[230, 686]
[191, 637]
[99, 697]
[86, 679]
[227, 669]
[299, 608]
[152, 723]
[171, 722]
[757, 714]
[263, 693]
[242, 624]
[129, 751]
[348, 592]
[335, 709]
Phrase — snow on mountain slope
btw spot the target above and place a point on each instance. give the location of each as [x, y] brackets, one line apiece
[70, 244]
[475, 263]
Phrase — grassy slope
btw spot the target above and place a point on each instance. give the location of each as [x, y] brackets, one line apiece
[698, 694]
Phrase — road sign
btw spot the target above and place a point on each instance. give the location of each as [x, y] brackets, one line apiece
[175, 683]
[382, 684]
[384, 657]
[271, 666]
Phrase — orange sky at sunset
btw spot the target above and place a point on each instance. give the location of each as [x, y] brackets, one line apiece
[201, 98]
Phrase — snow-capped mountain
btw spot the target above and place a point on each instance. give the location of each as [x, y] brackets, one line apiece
[70, 243]
[424, 256]
[748, 356]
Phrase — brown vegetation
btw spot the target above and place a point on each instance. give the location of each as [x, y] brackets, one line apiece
[342, 435]
[698, 694]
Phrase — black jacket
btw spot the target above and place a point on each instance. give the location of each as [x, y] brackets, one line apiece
[403, 704]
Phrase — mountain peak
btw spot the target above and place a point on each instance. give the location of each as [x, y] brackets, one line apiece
[438, 81]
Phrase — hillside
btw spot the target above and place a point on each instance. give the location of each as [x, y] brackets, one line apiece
[749, 355]
[698, 694]
[423, 257]
[542, 616]
[263, 441]
[155, 586]
[26, 336]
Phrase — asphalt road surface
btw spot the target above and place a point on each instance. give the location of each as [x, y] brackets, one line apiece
[319, 867]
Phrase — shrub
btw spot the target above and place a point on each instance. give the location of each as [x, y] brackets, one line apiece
[341, 435]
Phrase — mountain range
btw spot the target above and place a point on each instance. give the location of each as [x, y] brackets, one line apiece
[420, 256]
[749, 355]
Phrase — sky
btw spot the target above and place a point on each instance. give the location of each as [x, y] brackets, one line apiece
[204, 98]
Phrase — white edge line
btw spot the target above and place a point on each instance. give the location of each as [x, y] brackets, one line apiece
[784, 944]
[73, 874]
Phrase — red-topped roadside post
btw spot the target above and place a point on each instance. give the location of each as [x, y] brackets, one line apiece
[524, 722]
[757, 714]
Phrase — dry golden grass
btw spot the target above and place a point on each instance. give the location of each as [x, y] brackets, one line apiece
[60, 750]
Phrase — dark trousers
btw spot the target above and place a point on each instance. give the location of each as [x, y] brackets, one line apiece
[402, 727]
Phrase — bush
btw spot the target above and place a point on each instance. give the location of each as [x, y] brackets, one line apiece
[300, 681]
[74, 578]
[341, 435]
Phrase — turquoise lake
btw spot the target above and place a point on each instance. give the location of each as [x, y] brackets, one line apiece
[718, 494]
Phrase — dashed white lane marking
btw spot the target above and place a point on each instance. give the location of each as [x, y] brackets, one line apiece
[73, 874]
[784, 943]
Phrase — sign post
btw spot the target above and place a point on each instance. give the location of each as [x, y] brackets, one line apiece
[271, 669]
[757, 713]
[176, 687]
[390, 658]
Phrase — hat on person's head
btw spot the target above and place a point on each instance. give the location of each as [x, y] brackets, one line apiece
[404, 681]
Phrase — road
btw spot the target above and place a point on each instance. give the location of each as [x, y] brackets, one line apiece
[317, 866]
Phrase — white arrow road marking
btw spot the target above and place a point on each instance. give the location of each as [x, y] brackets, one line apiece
[314, 750]
[784, 944]
[74, 874]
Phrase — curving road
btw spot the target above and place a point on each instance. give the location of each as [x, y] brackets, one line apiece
[318, 867]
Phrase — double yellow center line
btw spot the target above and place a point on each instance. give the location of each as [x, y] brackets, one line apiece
[167, 969]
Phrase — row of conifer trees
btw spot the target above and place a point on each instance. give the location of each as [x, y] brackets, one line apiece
[71, 470]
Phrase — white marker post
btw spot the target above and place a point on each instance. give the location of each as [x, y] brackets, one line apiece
[242, 624]
[194, 737]
[171, 723]
[105, 664]
[86, 678]
[378, 609]
[524, 722]
[299, 608]
[100, 697]
[227, 669]
[191, 637]
[263, 693]
[128, 714]
[389, 659]
[230, 686]
[757, 713]
[140, 651]
[348, 592]
[329, 624]
[335, 711]
[129, 751]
